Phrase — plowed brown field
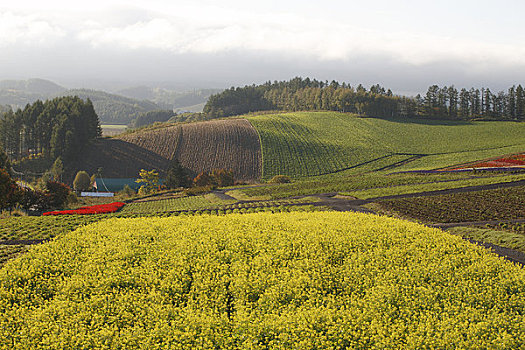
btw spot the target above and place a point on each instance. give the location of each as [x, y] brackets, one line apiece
[163, 141]
[203, 146]
[230, 144]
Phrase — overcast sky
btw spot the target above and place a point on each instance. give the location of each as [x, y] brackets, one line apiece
[405, 45]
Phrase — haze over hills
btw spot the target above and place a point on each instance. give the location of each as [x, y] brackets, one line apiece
[170, 99]
[112, 108]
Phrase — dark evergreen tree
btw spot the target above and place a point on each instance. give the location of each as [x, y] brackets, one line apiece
[464, 104]
[177, 176]
[520, 103]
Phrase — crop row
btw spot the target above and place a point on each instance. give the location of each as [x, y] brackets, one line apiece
[342, 184]
[10, 251]
[204, 146]
[436, 186]
[201, 203]
[498, 204]
[172, 204]
[47, 227]
[163, 142]
[511, 227]
[292, 148]
[261, 281]
[221, 144]
[500, 237]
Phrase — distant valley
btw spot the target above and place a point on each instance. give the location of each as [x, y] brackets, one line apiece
[121, 107]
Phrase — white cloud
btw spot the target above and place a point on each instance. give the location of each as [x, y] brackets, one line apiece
[336, 31]
[287, 34]
[27, 30]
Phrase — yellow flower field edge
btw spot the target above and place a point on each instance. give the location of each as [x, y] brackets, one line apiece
[321, 280]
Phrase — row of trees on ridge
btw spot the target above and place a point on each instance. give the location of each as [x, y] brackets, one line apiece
[304, 94]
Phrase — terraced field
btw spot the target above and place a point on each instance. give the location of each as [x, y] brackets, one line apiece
[314, 143]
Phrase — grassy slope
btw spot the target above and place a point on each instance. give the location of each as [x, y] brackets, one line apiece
[502, 238]
[425, 187]
[314, 143]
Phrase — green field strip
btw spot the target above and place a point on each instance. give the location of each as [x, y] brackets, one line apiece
[166, 205]
[506, 239]
[416, 188]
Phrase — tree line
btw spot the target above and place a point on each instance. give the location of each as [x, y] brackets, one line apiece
[300, 94]
[61, 127]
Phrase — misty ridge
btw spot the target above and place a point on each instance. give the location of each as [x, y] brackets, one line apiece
[118, 107]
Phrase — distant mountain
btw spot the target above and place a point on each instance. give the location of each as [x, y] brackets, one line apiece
[169, 99]
[112, 108]
[32, 86]
[119, 108]
[18, 93]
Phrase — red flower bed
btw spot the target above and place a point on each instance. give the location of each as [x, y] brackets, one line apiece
[94, 209]
[516, 160]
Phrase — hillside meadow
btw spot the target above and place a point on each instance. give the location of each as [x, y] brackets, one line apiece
[260, 281]
[307, 144]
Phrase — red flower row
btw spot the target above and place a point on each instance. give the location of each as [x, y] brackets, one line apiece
[94, 209]
[516, 160]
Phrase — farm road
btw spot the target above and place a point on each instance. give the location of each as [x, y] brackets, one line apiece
[340, 203]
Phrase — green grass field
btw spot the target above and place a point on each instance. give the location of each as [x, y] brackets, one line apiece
[437, 186]
[372, 185]
[313, 143]
[501, 238]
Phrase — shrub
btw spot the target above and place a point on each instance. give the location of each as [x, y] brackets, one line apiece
[149, 179]
[194, 191]
[34, 200]
[280, 179]
[127, 191]
[58, 193]
[82, 181]
[204, 179]
[223, 177]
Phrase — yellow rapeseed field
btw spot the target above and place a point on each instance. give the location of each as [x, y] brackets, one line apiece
[321, 280]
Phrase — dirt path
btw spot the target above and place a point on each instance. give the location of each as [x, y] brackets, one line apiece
[23, 241]
[509, 254]
[476, 223]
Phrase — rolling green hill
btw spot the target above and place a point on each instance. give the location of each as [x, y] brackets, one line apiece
[111, 108]
[314, 143]
[18, 93]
